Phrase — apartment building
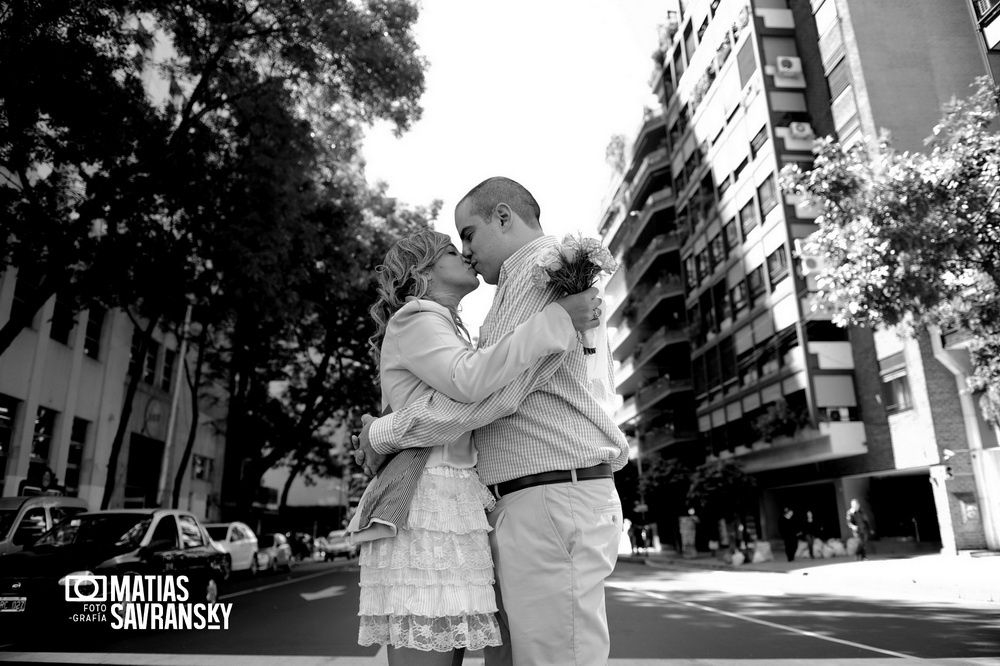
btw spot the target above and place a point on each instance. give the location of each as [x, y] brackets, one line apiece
[721, 356]
[62, 387]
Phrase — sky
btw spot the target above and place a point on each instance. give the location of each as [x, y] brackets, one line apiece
[528, 89]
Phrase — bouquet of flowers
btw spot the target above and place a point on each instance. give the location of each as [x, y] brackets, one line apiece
[571, 267]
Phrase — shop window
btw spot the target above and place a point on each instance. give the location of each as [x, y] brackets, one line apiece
[41, 439]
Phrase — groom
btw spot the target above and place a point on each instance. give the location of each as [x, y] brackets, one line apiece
[547, 450]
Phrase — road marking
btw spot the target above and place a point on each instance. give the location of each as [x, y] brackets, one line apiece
[766, 623]
[332, 591]
[140, 659]
[281, 583]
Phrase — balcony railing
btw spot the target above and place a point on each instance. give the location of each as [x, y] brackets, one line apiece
[628, 411]
[659, 244]
[653, 158]
[662, 387]
[663, 286]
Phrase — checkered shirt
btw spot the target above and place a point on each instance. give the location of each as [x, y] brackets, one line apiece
[544, 420]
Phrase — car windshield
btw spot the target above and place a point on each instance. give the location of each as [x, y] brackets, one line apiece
[124, 530]
[218, 532]
[7, 517]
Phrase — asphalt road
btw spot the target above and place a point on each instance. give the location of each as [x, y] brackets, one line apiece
[308, 617]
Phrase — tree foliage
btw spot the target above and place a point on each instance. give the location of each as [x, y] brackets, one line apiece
[914, 238]
[721, 489]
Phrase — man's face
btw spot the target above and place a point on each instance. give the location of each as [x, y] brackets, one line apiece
[481, 242]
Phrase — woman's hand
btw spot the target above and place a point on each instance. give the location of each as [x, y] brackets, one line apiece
[583, 308]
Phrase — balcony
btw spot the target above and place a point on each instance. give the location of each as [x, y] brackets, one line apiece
[832, 440]
[628, 411]
[668, 242]
[657, 158]
[666, 286]
[662, 388]
[661, 438]
[655, 202]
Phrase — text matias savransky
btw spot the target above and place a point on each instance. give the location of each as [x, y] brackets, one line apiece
[132, 601]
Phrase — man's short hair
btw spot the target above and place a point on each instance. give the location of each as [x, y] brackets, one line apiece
[485, 196]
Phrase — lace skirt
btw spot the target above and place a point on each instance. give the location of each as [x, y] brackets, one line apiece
[431, 586]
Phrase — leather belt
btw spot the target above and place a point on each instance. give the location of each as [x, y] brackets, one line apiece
[602, 471]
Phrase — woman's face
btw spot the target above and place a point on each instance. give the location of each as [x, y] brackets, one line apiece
[452, 274]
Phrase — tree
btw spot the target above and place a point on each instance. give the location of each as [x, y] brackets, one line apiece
[914, 239]
[721, 490]
[665, 484]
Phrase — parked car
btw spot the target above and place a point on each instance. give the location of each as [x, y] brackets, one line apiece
[337, 546]
[23, 519]
[273, 553]
[239, 541]
[34, 583]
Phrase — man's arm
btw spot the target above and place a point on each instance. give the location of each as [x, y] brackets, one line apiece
[434, 418]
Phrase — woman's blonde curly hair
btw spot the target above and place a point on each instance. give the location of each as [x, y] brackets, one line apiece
[404, 274]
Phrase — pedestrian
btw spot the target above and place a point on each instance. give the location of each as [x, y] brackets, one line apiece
[789, 529]
[426, 568]
[810, 532]
[545, 442]
[861, 528]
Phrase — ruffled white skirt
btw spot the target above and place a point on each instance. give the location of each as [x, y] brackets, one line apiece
[431, 586]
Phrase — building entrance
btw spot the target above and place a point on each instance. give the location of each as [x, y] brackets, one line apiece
[903, 508]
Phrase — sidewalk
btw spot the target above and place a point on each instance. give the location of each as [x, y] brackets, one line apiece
[964, 577]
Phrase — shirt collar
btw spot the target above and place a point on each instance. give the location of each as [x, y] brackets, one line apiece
[520, 258]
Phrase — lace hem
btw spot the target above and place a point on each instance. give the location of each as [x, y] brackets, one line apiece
[438, 634]
[428, 550]
[427, 601]
[427, 577]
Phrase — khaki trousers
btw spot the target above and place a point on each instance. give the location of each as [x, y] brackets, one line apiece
[553, 547]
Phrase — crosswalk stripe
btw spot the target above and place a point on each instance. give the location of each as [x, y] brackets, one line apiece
[139, 659]
[766, 623]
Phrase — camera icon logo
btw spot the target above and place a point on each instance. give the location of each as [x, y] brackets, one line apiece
[86, 588]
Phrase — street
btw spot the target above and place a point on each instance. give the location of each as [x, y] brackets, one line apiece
[657, 617]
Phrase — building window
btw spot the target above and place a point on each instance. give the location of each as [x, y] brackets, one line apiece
[24, 291]
[690, 273]
[730, 235]
[895, 384]
[768, 196]
[701, 264]
[8, 409]
[748, 217]
[201, 468]
[62, 320]
[169, 358]
[41, 440]
[738, 298]
[77, 442]
[724, 186]
[755, 281]
[149, 367]
[95, 326]
[747, 62]
[739, 168]
[718, 250]
[777, 265]
[758, 141]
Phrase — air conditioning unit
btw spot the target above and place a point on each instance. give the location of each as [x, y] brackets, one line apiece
[789, 67]
[803, 131]
[808, 263]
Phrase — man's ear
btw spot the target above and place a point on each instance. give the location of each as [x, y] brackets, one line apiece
[504, 215]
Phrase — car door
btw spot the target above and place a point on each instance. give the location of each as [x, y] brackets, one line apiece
[198, 557]
[163, 548]
[246, 544]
